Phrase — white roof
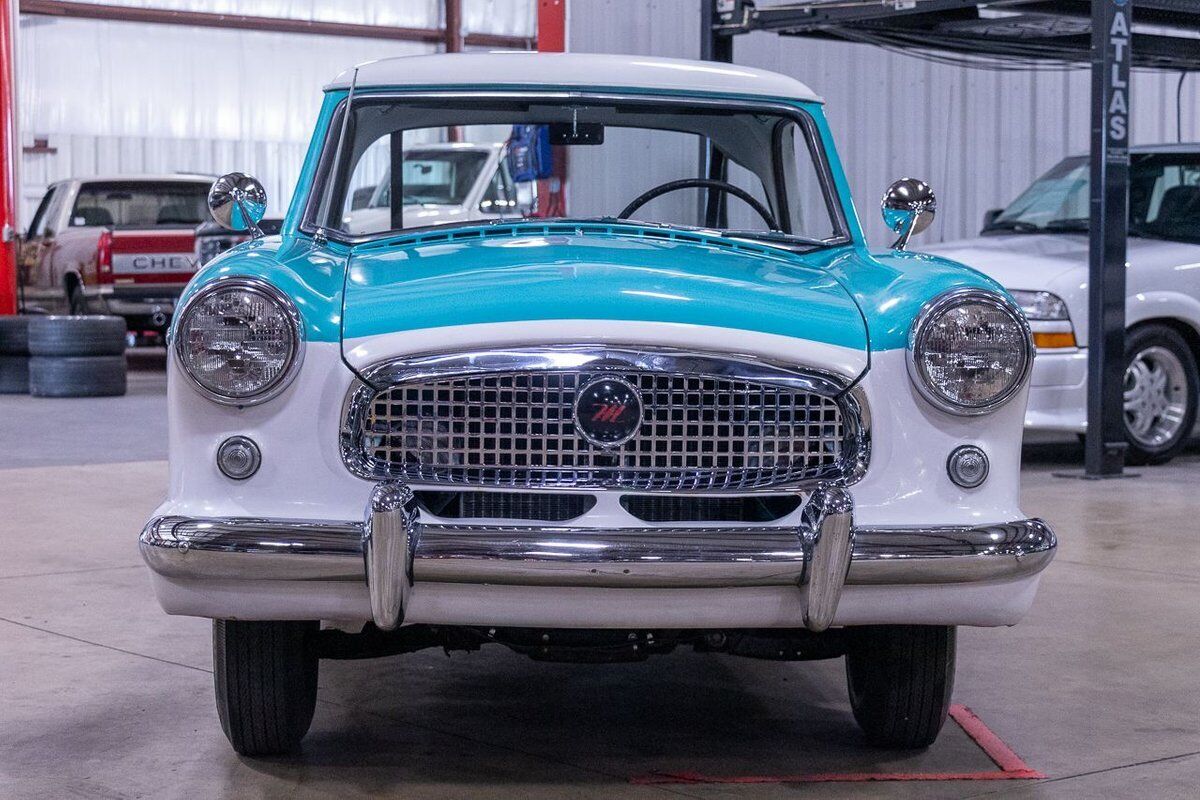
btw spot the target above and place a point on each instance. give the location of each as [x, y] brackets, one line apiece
[456, 146]
[572, 70]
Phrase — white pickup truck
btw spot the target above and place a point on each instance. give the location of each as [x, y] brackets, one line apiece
[122, 245]
[1038, 248]
[443, 183]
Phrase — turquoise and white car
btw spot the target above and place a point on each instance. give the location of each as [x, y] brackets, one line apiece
[670, 411]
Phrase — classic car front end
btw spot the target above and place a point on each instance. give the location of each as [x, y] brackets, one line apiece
[594, 438]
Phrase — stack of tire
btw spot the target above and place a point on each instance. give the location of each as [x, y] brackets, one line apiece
[14, 355]
[63, 356]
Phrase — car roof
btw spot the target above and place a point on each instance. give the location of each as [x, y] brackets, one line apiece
[456, 146]
[168, 177]
[594, 71]
[1166, 147]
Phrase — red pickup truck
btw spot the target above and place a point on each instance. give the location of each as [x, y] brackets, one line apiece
[122, 245]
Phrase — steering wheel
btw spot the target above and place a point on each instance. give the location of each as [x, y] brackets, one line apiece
[701, 183]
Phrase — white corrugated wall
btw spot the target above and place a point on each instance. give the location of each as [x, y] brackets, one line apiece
[121, 97]
[978, 137]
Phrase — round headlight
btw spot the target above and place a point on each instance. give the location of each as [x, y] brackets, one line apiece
[239, 340]
[970, 351]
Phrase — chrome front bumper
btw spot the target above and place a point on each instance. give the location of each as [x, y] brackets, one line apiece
[393, 551]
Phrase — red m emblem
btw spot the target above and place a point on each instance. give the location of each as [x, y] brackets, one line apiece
[609, 412]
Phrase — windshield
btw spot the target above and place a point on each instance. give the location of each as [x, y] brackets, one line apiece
[1164, 199]
[140, 204]
[584, 160]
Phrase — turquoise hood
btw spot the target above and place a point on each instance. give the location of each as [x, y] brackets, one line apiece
[843, 296]
[513, 273]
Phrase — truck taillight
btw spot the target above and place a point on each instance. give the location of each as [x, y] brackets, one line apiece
[104, 249]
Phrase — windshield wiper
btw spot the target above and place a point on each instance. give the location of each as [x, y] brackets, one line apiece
[1017, 225]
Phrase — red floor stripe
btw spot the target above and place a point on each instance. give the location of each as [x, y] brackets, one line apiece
[991, 744]
[1010, 764]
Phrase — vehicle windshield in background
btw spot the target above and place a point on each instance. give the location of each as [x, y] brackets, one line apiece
[1164, 199]
[433, 177]
[140, 204]
[472, 160]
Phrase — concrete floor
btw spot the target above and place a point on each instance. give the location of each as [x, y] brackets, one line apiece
[103, 696]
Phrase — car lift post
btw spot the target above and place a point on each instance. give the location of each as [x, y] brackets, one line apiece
[1104, 450]
[714, 46]
[8, 157]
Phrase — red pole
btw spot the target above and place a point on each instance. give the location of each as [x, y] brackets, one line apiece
[552, 26]
[552, 38]
[8, 148]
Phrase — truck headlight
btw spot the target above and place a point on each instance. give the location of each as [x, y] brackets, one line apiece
[239, 340]
[1040, 306]
[969, 351]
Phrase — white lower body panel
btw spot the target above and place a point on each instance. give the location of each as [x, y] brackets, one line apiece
[1058, 392]
[981, 604]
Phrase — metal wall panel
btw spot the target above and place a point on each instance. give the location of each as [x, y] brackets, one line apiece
[276, 164]
[978, 137]
[122, 97]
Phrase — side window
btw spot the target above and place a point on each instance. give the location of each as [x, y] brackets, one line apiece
[371, 178]
[501, 196]
[741, 216]
[808, 210]
[38, 226]
[1174, 208]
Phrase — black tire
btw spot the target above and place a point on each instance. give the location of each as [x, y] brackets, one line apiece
[77, 376]
[266, 683]
[77, 301]
[14, 336]
[76, 336]
[900, 679]
[14, 374]
[1137, 341]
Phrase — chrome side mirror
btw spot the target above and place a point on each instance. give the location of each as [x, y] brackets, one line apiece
[908, 208]
[238, 202]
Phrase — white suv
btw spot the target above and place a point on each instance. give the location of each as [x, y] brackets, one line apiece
[1038, 248]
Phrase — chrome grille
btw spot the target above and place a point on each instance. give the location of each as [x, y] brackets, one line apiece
[515, 428]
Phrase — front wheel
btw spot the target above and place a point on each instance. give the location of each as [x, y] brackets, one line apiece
[266, 683]
[900, 679]
[1161, 389]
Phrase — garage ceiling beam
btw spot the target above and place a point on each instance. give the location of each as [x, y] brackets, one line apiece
[59, 8]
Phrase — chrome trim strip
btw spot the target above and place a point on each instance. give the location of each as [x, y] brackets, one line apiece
[299, 550]
[951, 554]
[856, 416]
[247, 548]
[937, 305]
[272, 293]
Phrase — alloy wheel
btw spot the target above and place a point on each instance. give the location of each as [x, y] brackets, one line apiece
[1156, 396]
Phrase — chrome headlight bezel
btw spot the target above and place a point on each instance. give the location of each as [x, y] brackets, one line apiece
[272, 294]
[930, 312]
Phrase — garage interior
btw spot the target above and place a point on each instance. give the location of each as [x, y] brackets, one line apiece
[1092, 695]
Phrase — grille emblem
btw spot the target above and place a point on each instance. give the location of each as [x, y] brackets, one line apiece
[608, 412]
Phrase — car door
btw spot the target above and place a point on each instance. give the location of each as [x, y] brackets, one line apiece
[38, 242]
[1171, 226]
